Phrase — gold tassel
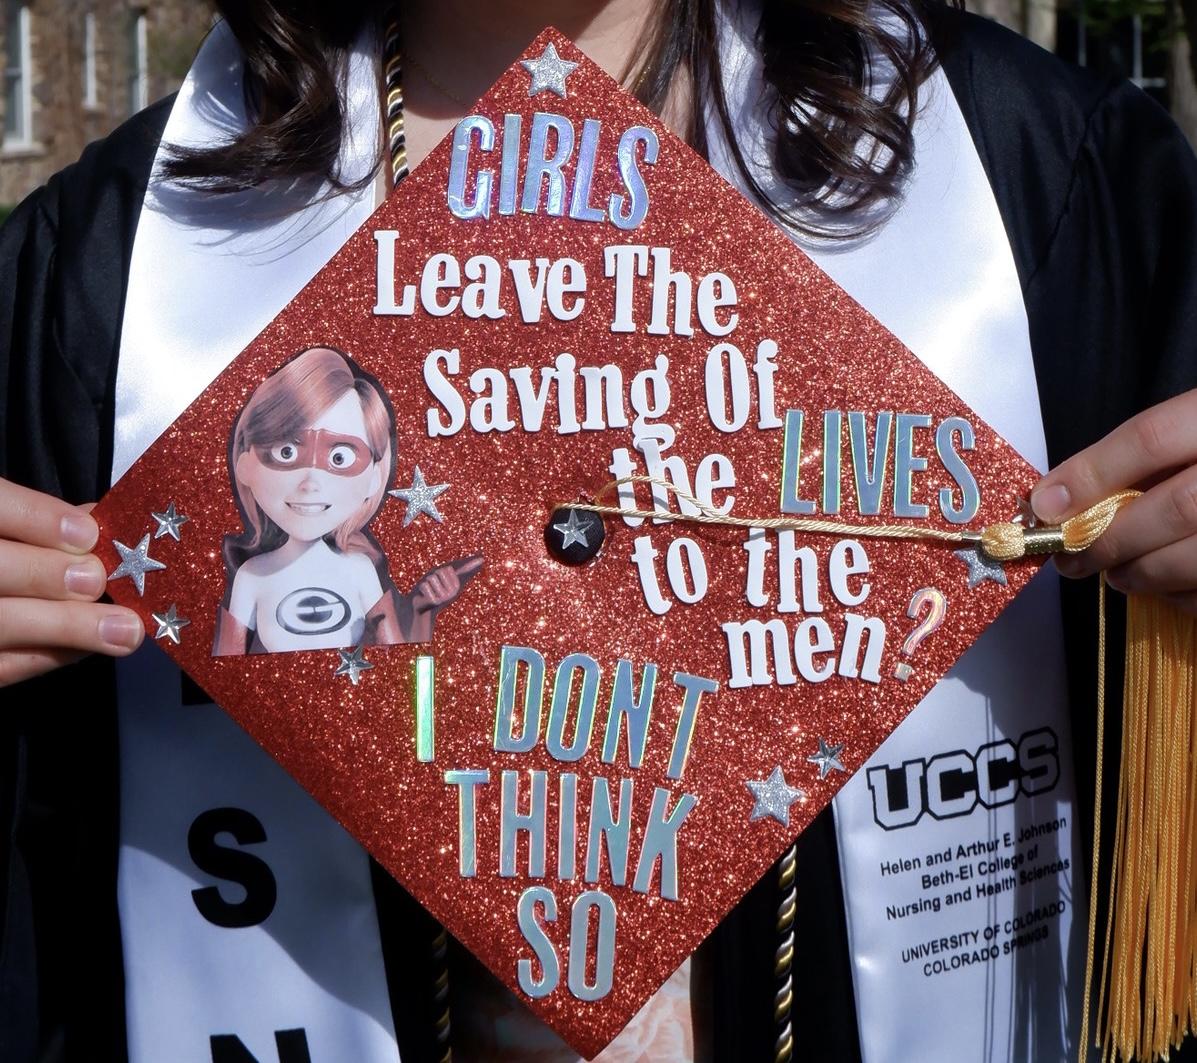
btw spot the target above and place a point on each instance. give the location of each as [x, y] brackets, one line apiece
[1147, 1000]
[1009, 542]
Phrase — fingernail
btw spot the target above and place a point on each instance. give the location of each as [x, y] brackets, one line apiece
[79, 530]
[1051, 503]
[84, 578]
[120, 631]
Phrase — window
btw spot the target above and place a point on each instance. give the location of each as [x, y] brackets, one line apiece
[1107, 39]
[139, 82]
[90, 98]
[18, 94]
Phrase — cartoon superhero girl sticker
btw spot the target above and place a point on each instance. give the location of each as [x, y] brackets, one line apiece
[311, 456]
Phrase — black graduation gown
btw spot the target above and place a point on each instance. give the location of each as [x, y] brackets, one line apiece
[1098, 193]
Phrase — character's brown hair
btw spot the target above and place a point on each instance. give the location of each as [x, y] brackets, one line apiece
[285, 403]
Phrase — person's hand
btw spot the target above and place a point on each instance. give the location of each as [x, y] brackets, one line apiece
[440, 586]
[49, 583]
[1151, 547]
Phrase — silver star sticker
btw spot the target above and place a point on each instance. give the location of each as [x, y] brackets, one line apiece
[828, 758]
[135, 562]
[169, 522]
[1026, 515]
[548, 72]
[572, 531]
[773, 797]
[170, 624]
[420, 498]
[353, 664]
[981, 567]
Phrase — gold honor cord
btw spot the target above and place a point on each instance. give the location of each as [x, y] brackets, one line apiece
[1146, 1002]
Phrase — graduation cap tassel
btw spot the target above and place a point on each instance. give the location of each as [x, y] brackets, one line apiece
[1147, 998]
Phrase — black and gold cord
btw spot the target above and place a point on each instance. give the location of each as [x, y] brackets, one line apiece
[392, 80]
[783, 961]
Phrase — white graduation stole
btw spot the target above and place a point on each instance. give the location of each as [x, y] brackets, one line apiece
[247, 913]
[958, 841]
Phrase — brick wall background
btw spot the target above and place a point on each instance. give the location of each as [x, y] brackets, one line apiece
[62, 123]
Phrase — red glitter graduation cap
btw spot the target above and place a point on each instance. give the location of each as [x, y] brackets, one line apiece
[580, 767]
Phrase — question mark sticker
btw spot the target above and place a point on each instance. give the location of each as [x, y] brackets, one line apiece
[934, 603]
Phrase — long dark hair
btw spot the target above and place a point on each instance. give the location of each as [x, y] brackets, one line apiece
[843, 78]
